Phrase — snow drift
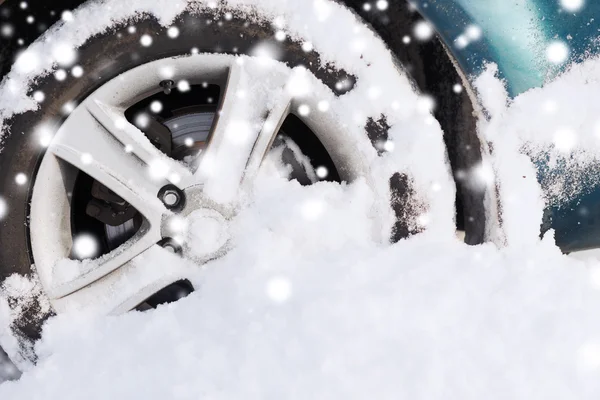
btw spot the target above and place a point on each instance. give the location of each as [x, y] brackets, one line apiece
[308, 305]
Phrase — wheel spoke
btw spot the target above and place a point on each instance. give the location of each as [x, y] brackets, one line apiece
[86, 144]
[113, 120]
[72, 275]
[130, 285]
[253, 107]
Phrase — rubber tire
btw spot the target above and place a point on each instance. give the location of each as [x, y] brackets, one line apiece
[22, 154]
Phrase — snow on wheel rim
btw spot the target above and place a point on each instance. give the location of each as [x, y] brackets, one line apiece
[381, 90]
[237, 146]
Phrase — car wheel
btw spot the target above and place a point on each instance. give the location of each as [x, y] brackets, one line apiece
[156, 119]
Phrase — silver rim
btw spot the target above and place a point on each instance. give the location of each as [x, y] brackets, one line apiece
[97, 139]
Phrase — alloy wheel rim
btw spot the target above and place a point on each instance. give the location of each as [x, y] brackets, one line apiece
[97, 139]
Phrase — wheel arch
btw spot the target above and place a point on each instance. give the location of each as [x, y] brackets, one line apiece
[435, 71]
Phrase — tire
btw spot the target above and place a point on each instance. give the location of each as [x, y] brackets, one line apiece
[104, 57]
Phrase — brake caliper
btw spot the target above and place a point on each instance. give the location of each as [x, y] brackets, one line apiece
[107, 207]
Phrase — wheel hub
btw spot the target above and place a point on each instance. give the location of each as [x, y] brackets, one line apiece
[199, 229]
[207, 234]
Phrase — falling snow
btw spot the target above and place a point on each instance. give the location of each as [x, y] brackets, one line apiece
[67, 16]
[322, 172]
[146, 40]
[557, 52]
[21, 178]
[382, 5]
[572, 5]
[471, 34]
[141, 121]
[183, 86]
[77, 71]
[60, 75]
[7, 30]
[85, 246]
[309, 298]
[173, 32]
[39, 96]
[304, 110]
[423, 31]
[156, 106]
[307, 46]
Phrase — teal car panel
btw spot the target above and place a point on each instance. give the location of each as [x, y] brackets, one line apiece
[516, 35]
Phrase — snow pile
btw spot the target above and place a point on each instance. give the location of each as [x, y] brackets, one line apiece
[558, 125]
[514, 174]
[306, 305]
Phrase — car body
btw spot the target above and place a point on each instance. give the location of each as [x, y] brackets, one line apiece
[516, 35]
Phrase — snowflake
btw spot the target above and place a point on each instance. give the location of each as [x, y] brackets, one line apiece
[146, 40]
[304, 110]
[85, 246]
[423, 31]
[173, 32]
[156, 106]
[322, 172]
[557, 52]
[21, 178]
[77, 71]
[572, 5]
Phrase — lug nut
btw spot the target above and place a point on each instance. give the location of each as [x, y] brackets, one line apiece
[172, 197]
[170, 245]
[167, 86]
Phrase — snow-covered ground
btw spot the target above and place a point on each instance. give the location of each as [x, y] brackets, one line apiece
[308, 305]
[315, 309]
